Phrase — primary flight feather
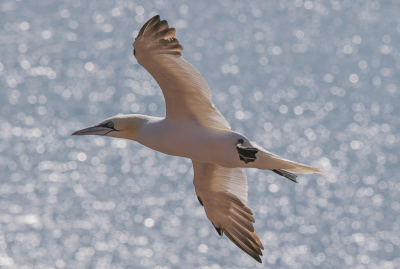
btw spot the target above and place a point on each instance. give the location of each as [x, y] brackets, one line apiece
[194, 128]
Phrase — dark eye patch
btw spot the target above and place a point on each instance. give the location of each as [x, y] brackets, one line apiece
[109, 125]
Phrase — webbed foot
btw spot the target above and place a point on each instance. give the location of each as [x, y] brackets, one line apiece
[246, 154]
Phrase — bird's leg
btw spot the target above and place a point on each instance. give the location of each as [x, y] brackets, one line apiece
[246, 154]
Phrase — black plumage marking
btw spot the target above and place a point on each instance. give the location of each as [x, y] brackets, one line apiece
[244, 247]
[286, 174]
[246, 154]
[109, 125]
[200, 201]
[218, 229]
[160, 32]
[150, 22]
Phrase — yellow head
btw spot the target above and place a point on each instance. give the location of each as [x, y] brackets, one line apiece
[121, 126]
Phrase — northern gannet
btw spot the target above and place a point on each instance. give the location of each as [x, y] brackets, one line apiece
[194, 128]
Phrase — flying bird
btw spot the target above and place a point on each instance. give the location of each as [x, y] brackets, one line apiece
[194, 128]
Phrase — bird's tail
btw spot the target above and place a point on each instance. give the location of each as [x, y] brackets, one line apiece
[270, 161]
[300, 168]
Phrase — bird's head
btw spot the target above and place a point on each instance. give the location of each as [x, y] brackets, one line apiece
[121, 126]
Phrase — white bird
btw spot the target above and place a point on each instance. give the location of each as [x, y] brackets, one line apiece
[193, 128]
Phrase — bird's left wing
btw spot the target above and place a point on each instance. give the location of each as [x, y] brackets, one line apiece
[223, 193]
[187, 95]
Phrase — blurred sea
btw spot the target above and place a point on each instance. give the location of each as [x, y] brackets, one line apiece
[313, 81]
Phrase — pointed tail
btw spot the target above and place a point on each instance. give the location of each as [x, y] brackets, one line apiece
[282, 166]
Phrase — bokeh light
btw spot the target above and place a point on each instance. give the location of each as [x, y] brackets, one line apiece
[312, 81]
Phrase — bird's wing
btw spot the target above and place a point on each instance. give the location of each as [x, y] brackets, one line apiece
[223, 193]
[187, 95]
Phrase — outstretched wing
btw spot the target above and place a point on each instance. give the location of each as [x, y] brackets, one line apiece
[223, 193]
[187, 95]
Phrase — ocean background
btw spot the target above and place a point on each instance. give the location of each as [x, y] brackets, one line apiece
[313, 81]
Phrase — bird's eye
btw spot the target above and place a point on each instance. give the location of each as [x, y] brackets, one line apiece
[110, 124]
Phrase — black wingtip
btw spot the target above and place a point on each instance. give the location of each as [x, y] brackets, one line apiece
[219, 231]
[286, 174]
[200, 201]
[144, 27]
[253, 255]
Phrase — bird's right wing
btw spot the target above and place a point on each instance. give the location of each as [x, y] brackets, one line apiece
[223, 193]
[187, 95]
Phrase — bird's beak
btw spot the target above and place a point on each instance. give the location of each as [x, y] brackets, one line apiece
[99, 129]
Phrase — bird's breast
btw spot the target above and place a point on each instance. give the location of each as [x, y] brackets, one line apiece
[186, 139]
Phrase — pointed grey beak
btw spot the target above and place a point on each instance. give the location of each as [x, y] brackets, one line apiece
[100, 129]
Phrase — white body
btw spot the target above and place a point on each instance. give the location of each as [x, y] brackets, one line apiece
[186, 139]
[207, 144]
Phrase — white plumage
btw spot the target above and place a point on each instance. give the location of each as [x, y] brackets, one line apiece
[195, 129]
